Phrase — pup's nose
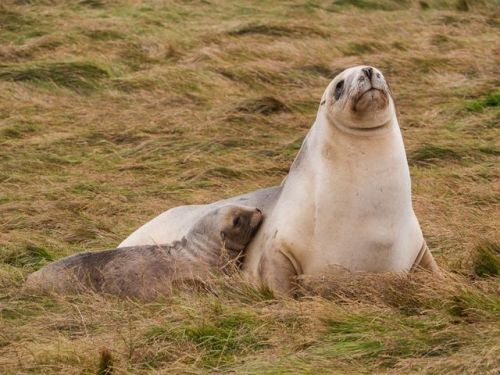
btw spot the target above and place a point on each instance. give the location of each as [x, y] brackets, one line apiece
[369, 72]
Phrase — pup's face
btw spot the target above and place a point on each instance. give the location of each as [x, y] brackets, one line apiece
[237, 225]
[359, 98]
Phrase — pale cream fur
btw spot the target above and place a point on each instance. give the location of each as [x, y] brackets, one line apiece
[346, 201]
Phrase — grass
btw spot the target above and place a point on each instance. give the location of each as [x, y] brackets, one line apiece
[361, 48]
[29, 256]
[277, 30]
[386, 5]
[431, 154]
[264, 106]
[105, 363]
[78, 76]
[112, 111]
[487, 260]
[489, 100]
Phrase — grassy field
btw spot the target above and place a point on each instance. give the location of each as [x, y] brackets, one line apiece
[112, 111]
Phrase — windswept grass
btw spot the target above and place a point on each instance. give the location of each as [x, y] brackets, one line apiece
[278, 30]
[386, 5]
[232, 327]
[112, 111]
[29, 256]
[489, 100]
[432, 154]
[264, 106]
[361, 48]
[77, 76]
[487, 260]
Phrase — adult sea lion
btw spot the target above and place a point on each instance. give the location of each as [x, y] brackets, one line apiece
[346, 200]
[215, 241]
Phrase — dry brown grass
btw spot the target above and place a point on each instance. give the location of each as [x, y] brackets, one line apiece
[114, 110]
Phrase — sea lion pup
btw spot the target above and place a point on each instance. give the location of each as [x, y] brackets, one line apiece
[346, 201]
[215, 242]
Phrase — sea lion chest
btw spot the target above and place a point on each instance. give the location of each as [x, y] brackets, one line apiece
[348, 205]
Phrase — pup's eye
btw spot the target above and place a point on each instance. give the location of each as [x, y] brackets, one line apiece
[236, 221]
[339, 89]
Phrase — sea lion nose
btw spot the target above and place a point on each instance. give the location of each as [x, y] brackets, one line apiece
[368, 72]
[259, 211]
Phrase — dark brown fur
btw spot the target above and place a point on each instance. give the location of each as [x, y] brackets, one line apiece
[143, 272]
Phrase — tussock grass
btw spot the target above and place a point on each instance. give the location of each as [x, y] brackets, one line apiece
[487, 259]
[360, 48]
[432, 154]
[112, 111]
[278, 30]
[489, 100]
[77, 76]
[30, 256]
[393, 5]
[372, 5]
[264, 106]
[232, 326]
[92, 3]
[14, 21]
[103, 34]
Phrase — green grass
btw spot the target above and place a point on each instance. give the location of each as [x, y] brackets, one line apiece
[487, 260]
[228, 337]
[489, 100]
[29, 256]
[392, 337]
[112, 111]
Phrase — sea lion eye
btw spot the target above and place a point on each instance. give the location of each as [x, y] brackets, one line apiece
[339, 89]
[236, 221]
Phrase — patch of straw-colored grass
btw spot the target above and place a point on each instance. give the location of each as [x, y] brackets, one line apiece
[112, 111]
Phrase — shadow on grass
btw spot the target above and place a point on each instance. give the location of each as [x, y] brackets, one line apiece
[265, 105]
[277, 30]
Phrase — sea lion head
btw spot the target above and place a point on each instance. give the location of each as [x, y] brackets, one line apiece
[359, 99]
[231, 226]
[238, 224]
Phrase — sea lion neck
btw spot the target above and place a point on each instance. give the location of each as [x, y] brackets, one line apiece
[200, 238]
[328, 143]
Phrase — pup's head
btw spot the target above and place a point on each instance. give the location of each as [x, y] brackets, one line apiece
[231, 225]
[238, 225]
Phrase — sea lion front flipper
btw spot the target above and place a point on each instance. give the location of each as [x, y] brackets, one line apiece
[277, 271]
[425, 261]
